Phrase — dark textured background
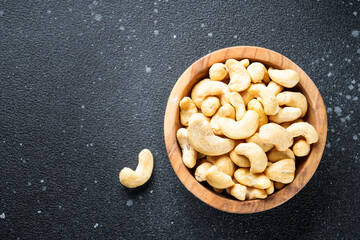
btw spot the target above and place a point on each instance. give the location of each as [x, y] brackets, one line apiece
[84, 86]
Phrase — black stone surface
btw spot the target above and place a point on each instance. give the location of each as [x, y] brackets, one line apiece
[84, 86]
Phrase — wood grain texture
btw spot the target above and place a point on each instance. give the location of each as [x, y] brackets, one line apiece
[305, 168]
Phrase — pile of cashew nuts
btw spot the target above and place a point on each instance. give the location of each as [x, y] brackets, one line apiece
[241, 132]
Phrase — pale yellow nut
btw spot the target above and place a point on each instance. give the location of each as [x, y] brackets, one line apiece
[255, 154]
[201, 170]
[286, 114]
[275, 88]
[287, 77]
[242, 129]
[266, 97]
[238, 191]
[256, 71]
[206, 88]
[257, 180]
[256, 139]
[255, 193]
[247, 96]
[203, 140]
[229, 188]
[239, 160]
[187, 108]
[218, 72]
[282, 171]
[225, 111]
[217, 178]
[256, 106]
[278, 185]
[301, 148]
[223, 163]
[217, 190]
[189, 154]
[266, 78]
[238, 103]
[271, 189]
[275, 134]
[132, 179]
[209, 106]
[293, 99]
[303, 129]
[245, 62]
[274, 155]
[239, 76]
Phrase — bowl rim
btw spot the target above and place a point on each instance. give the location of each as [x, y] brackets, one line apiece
[268, 57]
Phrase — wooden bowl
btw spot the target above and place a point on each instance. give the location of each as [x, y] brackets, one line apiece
[305, 167]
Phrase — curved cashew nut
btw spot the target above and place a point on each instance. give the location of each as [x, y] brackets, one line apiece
[255, 154]
[202, 138]
[245, 62]
[303, 129]
[293, 99]
[266, 97]
[189, 154]
[274, 155]
[287, 78]
[256, 139]
[223, 163]
[238, 191]
[286, 114]
[256, 106]
[282, 171]
[209, 106]
[271, 189]
[242, 129]
[275, 88]
[201, 170]
[277, 135]
[256, 71]
[301, 148]
[238, 103]
[239, 160]
[187, 108]
[254, 193]
[218, 72]
[225, 111]
[217, 178]
[206, 88]
[239, 76]
[257, 180]
[132, 179]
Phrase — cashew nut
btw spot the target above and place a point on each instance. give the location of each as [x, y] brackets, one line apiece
[257, 180]
[209, 106]
[206, 88]
[245, 62]
[301, 148]
[189, 154]
[286, 114]
[239, 76]
[242, 129]
[303, 129]
[225, 111]
[266, 97]
[274, 155]
[223, 163]
[202, 138]
[282, 171]
[278, 185]
[238, 191]
[201, 170]
[217, 178]
[277, 135]
[256, 139]
[239, 160]
[287, 78]
[132, 179]
[255, 154]
[275, 88]
[218, 72]
[256, 106]
[293, 99]
[271, 189]
[238, 103]
[187, 108]
[256, 71]
[254, 193]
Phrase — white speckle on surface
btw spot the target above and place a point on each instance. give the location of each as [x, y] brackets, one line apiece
[147, 69]
[156, 32]
[96, 225]
[91, 144]
[39, 212]
[355, 13]
[355, 98]
[174, 36]
[172, 222]
[338, 110]
[210, 34]
[155, 22]
[95, 3]
[44, 188]
[235, 36]
[348, 97]
[83, 106]
[342, 120]
[42, 181]
[2, 216]
[329, 110]
[343, 149]
[202, 25]
[95, 181]
[351, 87]
[355, 137]
[328, 145]
[122, 28]
[156, 10]
[48, 11]
[129, 203]
[332, 130]
[1, 13]
[358, 51]
[272, 30]
[98, 17]
[331, 64]
[151, 191]
[329, 74]
[70, 9]
[29, 183]
[355, 33]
